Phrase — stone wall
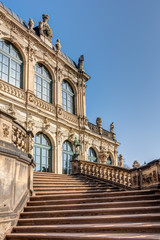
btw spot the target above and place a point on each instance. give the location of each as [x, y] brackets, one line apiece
[16, 171]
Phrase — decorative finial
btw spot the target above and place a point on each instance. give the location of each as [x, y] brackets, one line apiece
[112, 127]
[136, 164]
[80, 63]
[58, 45]
[30, 24]
[120, 158]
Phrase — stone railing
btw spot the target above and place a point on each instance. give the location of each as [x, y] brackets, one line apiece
[147, 176]
[16, 170]
[39, 103]
[101, 131]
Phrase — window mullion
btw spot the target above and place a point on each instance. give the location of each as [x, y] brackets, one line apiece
[9, 71]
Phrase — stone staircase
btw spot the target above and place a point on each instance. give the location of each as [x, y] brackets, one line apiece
[79, 207]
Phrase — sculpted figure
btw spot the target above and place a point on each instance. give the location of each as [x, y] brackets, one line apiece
[31, 24]
[112, 127]
[58, 45]
[44, 28]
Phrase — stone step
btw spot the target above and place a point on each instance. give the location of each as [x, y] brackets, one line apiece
[66, 185]
[92, 206]
[67, 189]
[56, 192]
[59, 199]
[92, 194]
[121, 228]
[91, 212]
[128, 218]
[72, 188]
[83, 236]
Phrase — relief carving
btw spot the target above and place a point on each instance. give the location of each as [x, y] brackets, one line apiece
[5, 130]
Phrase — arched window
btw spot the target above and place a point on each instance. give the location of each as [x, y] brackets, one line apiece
[109, 161]
[42, 153]
[92, 156]
[43, 83]
[67, 157]
[68, 97]
[11, 64]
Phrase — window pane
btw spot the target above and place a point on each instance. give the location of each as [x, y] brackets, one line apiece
[5, 60]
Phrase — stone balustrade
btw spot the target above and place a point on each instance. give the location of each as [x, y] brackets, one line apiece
[147, 176]
[99, 130]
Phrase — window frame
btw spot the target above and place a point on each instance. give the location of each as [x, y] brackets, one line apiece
[41, 146]
[11, 58]
[92, 158]
[43, 80]
[69, 94]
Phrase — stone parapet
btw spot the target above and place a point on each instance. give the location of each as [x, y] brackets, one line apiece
[16, 170]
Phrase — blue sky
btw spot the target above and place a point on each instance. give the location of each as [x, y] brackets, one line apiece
[121, 43]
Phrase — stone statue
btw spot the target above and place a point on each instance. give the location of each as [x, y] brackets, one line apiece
[58, 45]
[112, 127]
[81, 63]
[120, 158]
[99, 122]
[136, 164]
[44, 28]
[31, 24]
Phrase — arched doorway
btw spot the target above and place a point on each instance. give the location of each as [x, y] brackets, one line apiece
[42, 153]
[109, 160]
[92, 156]
[66, 158]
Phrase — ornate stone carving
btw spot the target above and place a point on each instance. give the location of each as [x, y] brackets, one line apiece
[5, 130]
[44, 28]
[31, 24]
[136, 164]
[71, 135]
[11, 110]
[19, 138]
[46, 124]
[58, 45]
[59, 110]
[30, 124]
[120, 158]
[102, 156]
[112, 127]
[59, 134]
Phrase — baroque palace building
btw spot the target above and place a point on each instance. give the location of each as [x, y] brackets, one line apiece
[44, 132]
[44, 90]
